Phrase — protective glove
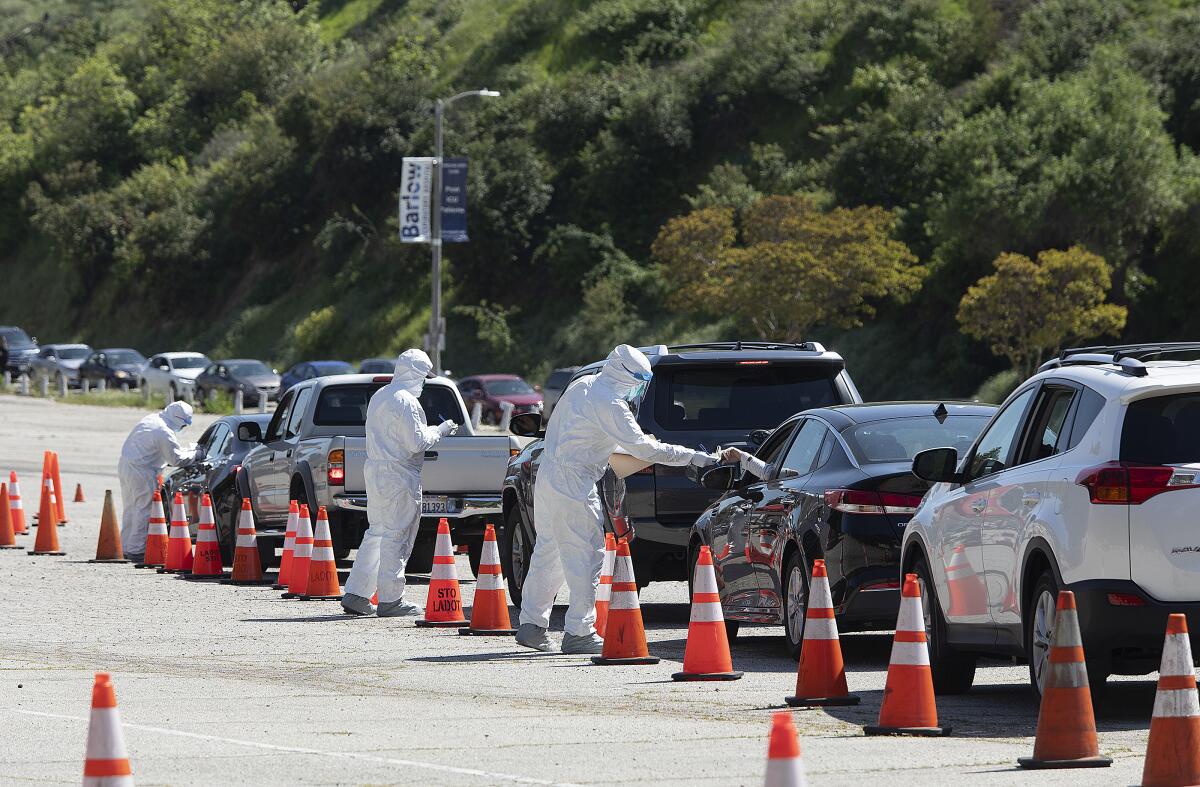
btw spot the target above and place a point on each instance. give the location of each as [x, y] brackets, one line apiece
[446, 428]
[702, 459]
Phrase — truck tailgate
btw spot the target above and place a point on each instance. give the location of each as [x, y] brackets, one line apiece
[466, 464]
[356, 456]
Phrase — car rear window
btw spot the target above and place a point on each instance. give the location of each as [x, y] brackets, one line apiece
[740, 396]
[900, 439]
[73, 353]
[1163, 430]
[346, 405]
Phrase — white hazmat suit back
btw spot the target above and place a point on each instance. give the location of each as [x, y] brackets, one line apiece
[152, 445]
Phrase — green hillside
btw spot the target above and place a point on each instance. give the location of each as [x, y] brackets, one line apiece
[222, 175]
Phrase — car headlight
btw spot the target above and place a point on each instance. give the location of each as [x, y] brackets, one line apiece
[121, 375]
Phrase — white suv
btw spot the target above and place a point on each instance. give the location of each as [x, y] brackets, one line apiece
[1085, 480]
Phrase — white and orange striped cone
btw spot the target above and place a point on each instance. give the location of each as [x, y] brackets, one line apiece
[908, 706]
[604, 589]
[1066, 730]
[821, 674]
[157, 538]
[706, 655]
[247, 565]
[301, 554]
[15, 507]
[206, 563]
[106, 763]
[289, 546]
[443, 606]
[46, 542]
[489, 608]
[323, 584]
[179, 546]
[624, 636]
[8, 539]
[968, 594]
[784, 766]
[1173, 751]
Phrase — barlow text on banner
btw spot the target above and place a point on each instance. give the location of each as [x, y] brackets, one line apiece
[454, 200]
[416, 185]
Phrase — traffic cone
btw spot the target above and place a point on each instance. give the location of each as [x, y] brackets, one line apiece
[206, 564]
[15, 507]
[79, 493]
[908, 706]
[1173, 751]
[968, 594]
[322, 567]
[301, 555]
[7, 536]
[1066, 731]
[289, 546]
[706, 656]
[179, 547]
[443, 606]
[821, 674]
[108, 545]
[107, 761]
[157, 539]
[247, 565]
[47, 537]
[42, 483]
[624, 635]
[604, 589]
[489, 608]
[59, 498]
[784, 766]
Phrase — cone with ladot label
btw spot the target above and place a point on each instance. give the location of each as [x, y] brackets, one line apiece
[289, 546]
[157, 538]
[15, 507]
[821, 674]
[108, 543]
[60, 508]
[968, 594]
[301, 553]
[604, 589]
[47, 537]
[784, 766]
[1173, 751]
[908, 705]
[443, 606]
[706, 656]
[323, 582]
[206, 563]
[624, 635]
[489, 608]
[247, 565]
[1066, 731]
[179, 546]
[8, 538]
[107, 762]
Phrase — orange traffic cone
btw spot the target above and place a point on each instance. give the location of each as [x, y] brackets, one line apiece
[108, 544]
[968, 595]
[821, 674]
[908, 706]
[289, 546]
[706, 656]
[107, 762]
[247, 564]
[15, 506]
[42, 483]
[1173, 751]
[206, 564]
[47, 537]
[179, 547]
[624, 635]
[489, 608]
[443, 606]
[322, 567]
[59, 498]
[157, 539]
[784, 766]
[79, 493]
[301, 555]
[7, 536]
[604, 589]
[1066, 731]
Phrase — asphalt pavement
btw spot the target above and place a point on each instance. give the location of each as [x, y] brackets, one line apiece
[234, 685]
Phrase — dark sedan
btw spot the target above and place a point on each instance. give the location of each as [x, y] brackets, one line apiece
[253, 378]
[119, 367]
[840, 487]
[310, 370]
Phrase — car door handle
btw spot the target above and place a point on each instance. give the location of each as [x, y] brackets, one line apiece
[431, 456]
[979, 505]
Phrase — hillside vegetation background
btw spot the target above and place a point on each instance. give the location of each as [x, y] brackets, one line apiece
[222, 174]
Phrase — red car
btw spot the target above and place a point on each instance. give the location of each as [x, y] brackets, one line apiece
[489, 390]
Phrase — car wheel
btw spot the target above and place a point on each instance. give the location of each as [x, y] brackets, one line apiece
[795, 602]
[1039, 636]
[226, 506]
[515, 552]
[953, 670]
[475, 556]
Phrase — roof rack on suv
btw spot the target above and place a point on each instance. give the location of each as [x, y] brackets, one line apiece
[750, 345]
[1130, 358]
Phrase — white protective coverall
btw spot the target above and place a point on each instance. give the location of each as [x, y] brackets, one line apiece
[151, 446]
[590, 422]
[397, 439]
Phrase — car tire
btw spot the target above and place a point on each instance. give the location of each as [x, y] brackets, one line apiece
[514, 543]
[953, 670]
[1039, 633]
[475, 556]
[795, 602]
[420, 560]
[226, 506]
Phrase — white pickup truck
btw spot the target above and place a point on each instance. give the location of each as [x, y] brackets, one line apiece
[314, 449]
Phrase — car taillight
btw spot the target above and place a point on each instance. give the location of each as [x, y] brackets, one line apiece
[337, 467]
[858, 501]
[1122, 483]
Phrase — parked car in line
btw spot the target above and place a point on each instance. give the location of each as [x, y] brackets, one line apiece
[310, 370]
[253, 378]
[119, 367]
[1087, 480]
[489, 390]
[840, 487]
[377, 366]
[21, 349]
[710, 395]
[60, 362]
[222, 451]
[553, 388]
[172, 373]
[314, 450]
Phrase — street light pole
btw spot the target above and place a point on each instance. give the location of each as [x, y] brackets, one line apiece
[437, 326]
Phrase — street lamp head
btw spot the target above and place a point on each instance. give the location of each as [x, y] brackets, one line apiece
[489, 93]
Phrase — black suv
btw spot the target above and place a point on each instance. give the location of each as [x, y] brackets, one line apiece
[710, 395]
[21, 349]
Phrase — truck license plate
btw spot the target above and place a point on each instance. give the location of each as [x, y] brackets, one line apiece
[433, 504]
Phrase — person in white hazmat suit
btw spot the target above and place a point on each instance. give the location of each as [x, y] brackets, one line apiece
[591, 421]
[152, 445]
[397, 439]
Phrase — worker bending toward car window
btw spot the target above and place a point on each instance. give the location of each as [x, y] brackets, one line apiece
[152, 445]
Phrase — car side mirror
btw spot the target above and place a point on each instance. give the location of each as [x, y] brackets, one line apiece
[250, 433]
[786, 473]
[937, 465]
[720, 478]
[527, 425]
[758, 437]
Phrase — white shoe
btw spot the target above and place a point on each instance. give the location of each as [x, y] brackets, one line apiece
[530, 635]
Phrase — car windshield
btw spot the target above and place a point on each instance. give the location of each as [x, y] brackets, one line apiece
[346, 405]
[740, 396]
[900, 439]
[73, 353]
[508, 387]
[123, 357]
[16, 336]
[248, 369]
[189, 362]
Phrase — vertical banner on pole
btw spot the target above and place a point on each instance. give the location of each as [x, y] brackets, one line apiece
[416, 185]
[454, 200]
